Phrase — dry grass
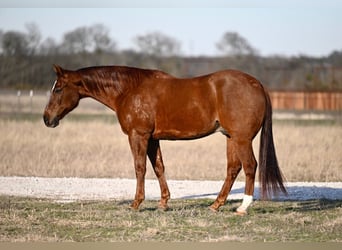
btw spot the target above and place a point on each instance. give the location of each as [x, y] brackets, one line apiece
[32, 220]
[310, 153]
[100, 149]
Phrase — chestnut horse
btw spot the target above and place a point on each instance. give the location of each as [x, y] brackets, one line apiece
[152, 105]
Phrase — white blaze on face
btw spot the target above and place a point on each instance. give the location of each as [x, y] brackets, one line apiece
[53, 86]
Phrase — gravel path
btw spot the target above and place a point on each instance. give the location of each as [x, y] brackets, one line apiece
[70, 189]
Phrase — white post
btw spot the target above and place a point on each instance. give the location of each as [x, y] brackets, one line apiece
[31, 101]
[18, 100]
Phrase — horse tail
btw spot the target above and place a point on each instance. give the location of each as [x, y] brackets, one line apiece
[270, 176]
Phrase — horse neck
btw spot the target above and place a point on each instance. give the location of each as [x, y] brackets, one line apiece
[106, 84]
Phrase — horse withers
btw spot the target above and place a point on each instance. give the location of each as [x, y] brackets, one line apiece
[152, 105]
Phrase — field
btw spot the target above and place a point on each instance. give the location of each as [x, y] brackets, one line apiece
[24, 219]
[89, 143]
[307, 152]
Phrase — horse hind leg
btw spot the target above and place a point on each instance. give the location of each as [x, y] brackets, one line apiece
[233, 169]
[155, 156]
[246, 155]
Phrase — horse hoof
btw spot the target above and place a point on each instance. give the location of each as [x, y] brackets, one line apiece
[240, 213]
[134, 206]
[213, 209]
[163, 206]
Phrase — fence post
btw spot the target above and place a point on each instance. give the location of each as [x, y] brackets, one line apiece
[18, 101]
[31, 101]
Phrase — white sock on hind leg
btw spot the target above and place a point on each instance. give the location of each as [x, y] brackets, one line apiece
[247, 200]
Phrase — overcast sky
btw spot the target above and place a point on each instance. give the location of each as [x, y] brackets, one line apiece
[291, 30]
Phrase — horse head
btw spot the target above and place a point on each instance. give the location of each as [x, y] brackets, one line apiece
[64, 96]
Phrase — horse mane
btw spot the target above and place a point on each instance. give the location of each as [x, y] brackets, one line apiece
[121, 78]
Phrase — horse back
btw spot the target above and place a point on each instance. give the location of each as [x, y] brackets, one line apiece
[173, 108]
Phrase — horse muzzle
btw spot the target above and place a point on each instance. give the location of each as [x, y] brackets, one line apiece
[51, 123]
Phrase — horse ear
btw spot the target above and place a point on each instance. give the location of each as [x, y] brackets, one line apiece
[58, 69]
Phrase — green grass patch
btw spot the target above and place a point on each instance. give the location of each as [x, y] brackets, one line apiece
[27, 219]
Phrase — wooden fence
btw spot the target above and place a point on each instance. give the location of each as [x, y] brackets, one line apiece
[306, 101]
[28, 101]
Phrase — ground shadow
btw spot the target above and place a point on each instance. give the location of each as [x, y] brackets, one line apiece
[307, 198]
[316, 205]
[305, 194]
[199, 196]
[231, 205]
[301, 206]
[295, 193]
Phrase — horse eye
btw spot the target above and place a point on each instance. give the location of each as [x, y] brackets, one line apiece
[57, 90]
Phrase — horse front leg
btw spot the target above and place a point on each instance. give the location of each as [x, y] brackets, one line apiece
[155, 156]
[138, 144]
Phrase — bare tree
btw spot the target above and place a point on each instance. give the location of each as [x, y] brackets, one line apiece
[87, 39]
[14, 43]
[76, 41]
[48, 47]
[33, 37]
[100, 38]
[233, 44]
[157, 44]
[1, 36]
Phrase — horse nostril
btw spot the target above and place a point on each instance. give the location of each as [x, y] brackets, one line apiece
[46, 120]
[51, 124]
[55, 122]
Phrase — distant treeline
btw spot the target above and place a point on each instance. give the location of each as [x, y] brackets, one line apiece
[26, 61]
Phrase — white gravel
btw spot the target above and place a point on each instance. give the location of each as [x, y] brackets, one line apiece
[70, 189]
